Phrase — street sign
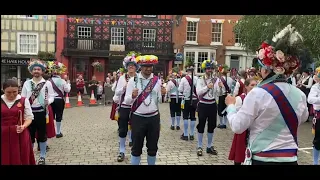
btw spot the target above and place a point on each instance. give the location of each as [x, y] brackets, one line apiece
[179, 56]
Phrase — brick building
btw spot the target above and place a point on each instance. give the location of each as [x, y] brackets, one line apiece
[200, 37]
[84, 39]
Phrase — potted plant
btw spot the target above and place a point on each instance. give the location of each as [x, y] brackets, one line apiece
[97, 66]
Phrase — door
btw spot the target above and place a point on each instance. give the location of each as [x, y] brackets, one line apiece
[80, 66]
[235, 62]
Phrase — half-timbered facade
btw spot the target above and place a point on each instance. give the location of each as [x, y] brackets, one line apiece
[108, 38]
[22, 38]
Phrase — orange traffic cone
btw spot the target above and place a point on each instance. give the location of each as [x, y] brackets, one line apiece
[93, 101]
[79, 100]
[67, 105]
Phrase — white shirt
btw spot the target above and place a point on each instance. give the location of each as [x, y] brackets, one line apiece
[99, 89]
[203, 88]
[157, 97]
[222, 90]
[62, 85]
[114, 86]
[314, 96]
[169, 88]
[28, 115]
[237, 87]
[185, 88]
[259, 110]
[294, 81]
[120, 90]
[238, 103]
[310, 82]
[27, 92]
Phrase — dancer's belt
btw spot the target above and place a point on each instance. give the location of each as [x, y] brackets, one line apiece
[37, 109]
[278, 153]
[125, 106]
[147, 114]
[207, 100]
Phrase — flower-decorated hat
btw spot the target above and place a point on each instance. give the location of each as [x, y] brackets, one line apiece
[147, 60]
[37, 63]
[318, 72]
[281, 54]
[189, 64]
[208, 64]
[131, 59]
[55, 67]
[223, 68]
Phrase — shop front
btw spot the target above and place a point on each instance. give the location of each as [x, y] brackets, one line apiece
[14, 67]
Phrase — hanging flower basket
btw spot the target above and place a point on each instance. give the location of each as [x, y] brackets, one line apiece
[97, 66]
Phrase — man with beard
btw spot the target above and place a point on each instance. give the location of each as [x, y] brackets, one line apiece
[130, 64]
[40, 94]
[60, 87]
[145, 92]
[207, 108]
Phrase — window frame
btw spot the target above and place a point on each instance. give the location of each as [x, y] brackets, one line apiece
[143, 38]
[111, 37]
[213, 23]
[88, 31]
[194, 20]
[19, 43]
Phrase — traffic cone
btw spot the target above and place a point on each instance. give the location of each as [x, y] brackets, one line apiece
[79, 100]
[93, 101]
[67, 105]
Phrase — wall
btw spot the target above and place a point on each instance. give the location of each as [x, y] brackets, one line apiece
[100, 75]
[204, 33]
[61, 34]
[11, 25]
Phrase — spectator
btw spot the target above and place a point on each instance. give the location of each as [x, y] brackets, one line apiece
[80, 84]
[99, 91]
[93, 86]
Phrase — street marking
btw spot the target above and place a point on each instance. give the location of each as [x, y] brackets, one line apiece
[304, 150]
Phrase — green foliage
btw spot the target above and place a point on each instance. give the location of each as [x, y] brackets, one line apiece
[135, 53]
[46, 56]
[188, 62]
[253, 30]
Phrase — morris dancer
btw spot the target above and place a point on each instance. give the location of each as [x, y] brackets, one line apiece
[175, 99]
[60, 87]
[240, 87]
[16, 116]
[207, 107]
[314, 99]
[114, 115]
[187, 87]
[224, 82]
[35, 90]
[145, 92]
[239, 143]
[273, 111]
[124, 111]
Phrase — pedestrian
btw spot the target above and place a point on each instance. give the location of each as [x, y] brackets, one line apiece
[99, 91]
[130, 64]
[40, 94]
[187, 87]
[314, 99]
[273, 111]
[145, 92]
[16, 116]
[207, 90]
[93, 84]
[174, 98]
[239, 143]
[60, 87]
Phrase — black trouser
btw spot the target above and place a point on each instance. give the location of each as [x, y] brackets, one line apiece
[189, 111]
[58, 108]
[207, 112]
[175, 107]
[222, 105]
[316, 140]
[38, 125]
[123, 121]
[255, 162]
[142, 127]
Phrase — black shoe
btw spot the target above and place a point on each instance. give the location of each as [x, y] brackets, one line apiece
[178, 128]
[120, 157]
[191, 138]
[223, 126]
[59, 135]
[219, 126]
[172, 127]
[130, 144]
[42, 161]
[199, 151]
[185, 138]
[212, 151]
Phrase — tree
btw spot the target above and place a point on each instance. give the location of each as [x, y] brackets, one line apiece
[253, 30]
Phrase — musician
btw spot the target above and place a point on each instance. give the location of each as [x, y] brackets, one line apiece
[36, 90]
[207, 107]
[145, 92]
[187, 87]
[174, 99]
[240, 87]
[130, 64]
[60, 87]
[314, 99]
[224, 82]
[272, 111]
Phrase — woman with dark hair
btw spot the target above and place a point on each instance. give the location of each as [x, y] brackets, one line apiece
[16, 116]
[305, 86]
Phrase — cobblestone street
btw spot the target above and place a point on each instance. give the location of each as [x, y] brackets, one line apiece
[90, 137]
